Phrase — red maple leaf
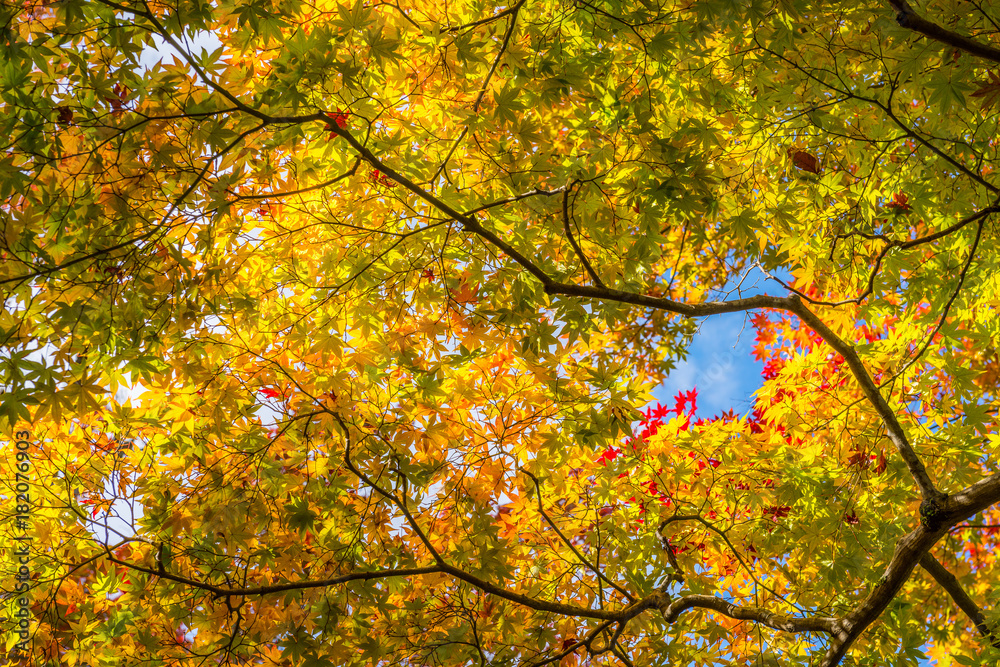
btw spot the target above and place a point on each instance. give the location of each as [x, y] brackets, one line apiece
[859, 458]
[118, 101]
[804, 161]
[989, 91]
[339, 117]
[610, 454]
[378, 178]
[777, 511]
[899, 203]
[683, 398]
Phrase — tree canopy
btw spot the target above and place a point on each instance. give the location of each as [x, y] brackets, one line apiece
[333, 328]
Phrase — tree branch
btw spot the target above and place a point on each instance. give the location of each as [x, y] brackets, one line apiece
[155, 229]
[871, 391]
[755, 614]
[907, 18]
[886, 249]
[572, 648]
[538, 490]
[276, 588]
[950, 584]
[385, 494]
[482, 584]
[489, 19]
[569, 235]
[950, 511]
[486, 82]
[703, 309]
[469, 223]
[951, 300]
[510, 200]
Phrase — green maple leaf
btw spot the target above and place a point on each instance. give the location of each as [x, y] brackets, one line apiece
[299, 516]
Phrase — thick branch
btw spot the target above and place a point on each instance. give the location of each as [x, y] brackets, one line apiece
[887, 248]
[907, 18]
[949, 583]
[687, 309]
[277, 588]
[468, 222]
[762, 616]
[791, 304]
[871, 391]
[948, 512]
[532, 603]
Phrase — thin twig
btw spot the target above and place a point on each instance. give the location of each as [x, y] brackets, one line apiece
[538, 489]
[486, 82]
[569, 235]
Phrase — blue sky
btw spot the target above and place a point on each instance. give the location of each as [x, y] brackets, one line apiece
[720, 365]
[720, 362]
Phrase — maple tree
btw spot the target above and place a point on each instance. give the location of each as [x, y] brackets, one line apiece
[336, 325]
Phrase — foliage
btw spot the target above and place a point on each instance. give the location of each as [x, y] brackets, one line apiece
[336, 326]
